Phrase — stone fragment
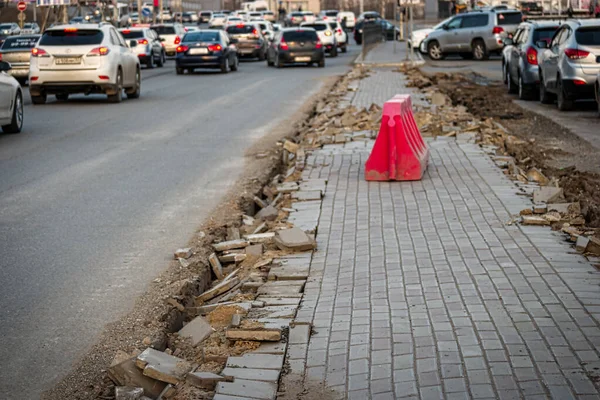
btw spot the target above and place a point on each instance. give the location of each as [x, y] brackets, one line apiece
[253, 374]
[534, 220]
[260, 334]
[566, 208]
[593, 246]
[233, 233]
[236, 320]
[582, 244]
[281, 287]
[254, 250]
[266, 237]
[540, 208]
[128, 393]
[216, 266]
[205, 380]
[289, 272]
[294, 239]
[307, 195]
[197, 330]
[183, 253]
[547, 194]
[251, 287]
[126, 373]
[269, 213]
[248, 220]
[258, 304]
[290, 146]
[231, 244]
[221, 288]
[287, 187]
[526, 211]
[261, 228]
[262, 361]
[259, 202]
[553, 216]
[277, 348]
[438, 99]
[243, 388]
[232, 257]
[535, 175]
[162, 366]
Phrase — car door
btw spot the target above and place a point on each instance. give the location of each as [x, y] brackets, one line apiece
[469, 29]
[124, 56]
[449, 40]
[515, 52]
[551, 57]
[155, 43]
[6, 91]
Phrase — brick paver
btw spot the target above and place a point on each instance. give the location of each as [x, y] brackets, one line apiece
[427, 290]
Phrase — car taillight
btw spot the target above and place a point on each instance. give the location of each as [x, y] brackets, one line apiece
[142, 41]
[126, 31]
[532, 56]
[99, 51]
[304, 18]
[215, 47]
[283, 45]
[177, 40]
[37, 52]
[579, 82]
[254, 32]
[0, 56]
[497, 30]
[327, 33]
[318, 45]
[182, 49]
[576, 54]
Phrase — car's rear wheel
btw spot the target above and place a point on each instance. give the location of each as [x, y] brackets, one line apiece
[479, 50]
[225, 66]
[262, 55]
[525, 90]
[563, 102]
[504, 72]
[545, 96]
[134, 92]
[16, 123]
[40, 99]
[150, 62]
[161, 60]
[62, 96]
[235, 65]
[344, 49]
[118, 96]
[334, 51]
[510, 84]
[278, 62]
[269, 62]
[322, 63]
[179, 71]
[435, 51]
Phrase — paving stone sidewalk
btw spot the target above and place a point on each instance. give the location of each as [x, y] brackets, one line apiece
[425, 290]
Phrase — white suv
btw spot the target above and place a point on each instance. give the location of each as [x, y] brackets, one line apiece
[326, 36]
[91, 58]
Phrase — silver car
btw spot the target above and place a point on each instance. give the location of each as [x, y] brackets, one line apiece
[473, 35]
[520, 57]
[149, 49]
[11, 101]
[16, 50]
[570, 63]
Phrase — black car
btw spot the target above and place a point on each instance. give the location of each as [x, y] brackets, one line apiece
[531, 8]
[295, 46]
[250, 40]
[209, 48]
[388, 30]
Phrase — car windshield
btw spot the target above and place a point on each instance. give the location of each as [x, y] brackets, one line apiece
[268, 13]
[300, 36]
[127, 34]
[297, 14]
[218, 15]
[316, 27]
[544, 34]
[588, 36]
[28, 26]
[5, 26]
[207, 13]
[201, 37]
[255, 14]
[331, 13]
[164, 30]
[444, 22]
[240, 29]
[20, 42]
[71, 37]
[510, 18]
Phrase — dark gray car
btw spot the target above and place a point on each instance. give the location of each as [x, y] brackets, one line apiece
[520, 57]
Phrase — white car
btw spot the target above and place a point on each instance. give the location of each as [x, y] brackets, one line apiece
[309, 16]
[9, 29]
[30, 28]
[269, 16]
[165, 16]
[91, 58]
[326, 36]
[340, 35]
[417, 39]
[170, 36]
[240, 13]
[350, 19]
[265, 27]
[149, 50]
[233, 20]
[217, 20]
[255, 16]
[11, 101]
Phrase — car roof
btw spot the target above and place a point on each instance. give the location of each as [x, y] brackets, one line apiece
[587, 22]
[541, 24]
[78, 26]
[297, 29]
[206, 30]
[317, 22]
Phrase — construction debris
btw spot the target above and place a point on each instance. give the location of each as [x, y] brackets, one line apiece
[184, 253]
[294, 239]
[216, 265]
[197, 330]
[163, 367]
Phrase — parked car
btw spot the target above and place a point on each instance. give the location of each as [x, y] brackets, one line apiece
[531, 8]
[9, 29]
[149, 49]
[369, 15]
[205, 17]
[30, 28]
[11, 101]
[207, 48]
[269, 16]
[350, 19]
[243, 14]
[294, 18]
[417, 38]
[16, 50]
[326, 36]
[389, 30]
[520, 57]
[328, 15]
[165, 16]
[294, 46]
[569, 65]
[83, 59]
[250, 40]
[360, 24]
[277, 27]
[217, 20]
[170, 35]
[340, 35]
[473, 35]
[597, 92]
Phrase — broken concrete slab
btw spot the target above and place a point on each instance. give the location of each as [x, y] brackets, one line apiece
[274, 312]
[281, 287]
[582, 244]
[289, 272]
[236, 319]
[248, 220]
[314, 184]
[565, 208]
[245, 388]
[547, 194]
[254, 250]
[294, 239]
[277, 348]
[259, 334]
[266, 237]
[290, 146]
[274, 323]
[183, 253]
[534, 220]
[162, 366]
[269, 213]
[261, 361]
[128, 393]
[197, 330]
[287, 187]
[221, 288]
[535, 175]
[278, 301]
[259, 202]
[247, 306]
[231, 244]
[593, 246]
[307, 195]
[233, 233]
[217, 268]
[205, 380]
[126, 373]
[540, 208]
[253, 374]
[233, 257]
[438, 99]
[262, 227]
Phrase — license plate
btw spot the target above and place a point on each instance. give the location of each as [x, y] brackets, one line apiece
[199, 51]
[302, 59]
[68, 60]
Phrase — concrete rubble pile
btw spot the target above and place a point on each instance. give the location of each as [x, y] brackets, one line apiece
[232, 336]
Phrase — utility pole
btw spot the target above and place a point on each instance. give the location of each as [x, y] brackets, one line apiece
[139, 7]
[362, 6]
[395, 22]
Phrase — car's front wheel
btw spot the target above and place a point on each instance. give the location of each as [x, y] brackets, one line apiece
[479, 50]
[225, 66]
[150, 62]
[16, 123]
[562, 101]
[161, 59]
[545, 96]
[435, 51]
[39, 99]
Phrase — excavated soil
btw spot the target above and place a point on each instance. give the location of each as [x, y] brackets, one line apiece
[554, 150]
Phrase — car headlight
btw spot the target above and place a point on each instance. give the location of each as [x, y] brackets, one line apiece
[327, 33]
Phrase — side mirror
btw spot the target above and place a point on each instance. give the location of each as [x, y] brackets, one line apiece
[445, 27]
[133, 43]
[508, 42]
[5, 66]
[542, 44]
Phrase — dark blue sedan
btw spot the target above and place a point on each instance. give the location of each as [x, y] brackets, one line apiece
[209, 48]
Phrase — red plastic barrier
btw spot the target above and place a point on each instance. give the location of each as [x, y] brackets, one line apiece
[399, 153]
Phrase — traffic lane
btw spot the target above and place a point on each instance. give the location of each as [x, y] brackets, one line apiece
[95, 197]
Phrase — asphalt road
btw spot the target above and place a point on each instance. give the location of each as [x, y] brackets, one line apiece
[94, 198]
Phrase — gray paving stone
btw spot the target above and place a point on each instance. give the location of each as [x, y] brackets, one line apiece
[243, 388]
